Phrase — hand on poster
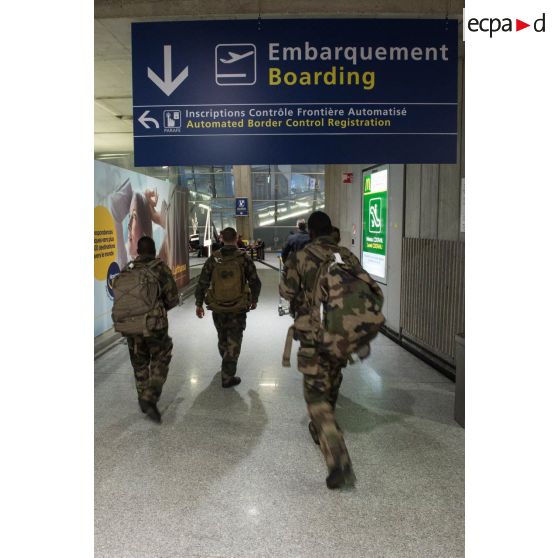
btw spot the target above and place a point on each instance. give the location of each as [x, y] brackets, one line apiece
[142, 216]
[152, 198]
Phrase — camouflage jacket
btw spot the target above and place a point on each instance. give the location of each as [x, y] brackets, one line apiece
[250, 275]
[169, 291]
[346, 318]
[299, 275]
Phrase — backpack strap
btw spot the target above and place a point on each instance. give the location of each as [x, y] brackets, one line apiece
[241, 260]
[242, 257]
[150, 268]
[237, 253]
[149, 265]
[324, 258]
[288, 347]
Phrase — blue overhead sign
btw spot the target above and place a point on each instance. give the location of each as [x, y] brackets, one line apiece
[242, 207]
[295, 91]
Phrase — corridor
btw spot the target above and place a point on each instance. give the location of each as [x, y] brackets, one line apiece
[234, 473]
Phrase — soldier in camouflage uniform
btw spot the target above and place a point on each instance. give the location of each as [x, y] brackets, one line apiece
[230, 325]
[322, 371]
[151, 356]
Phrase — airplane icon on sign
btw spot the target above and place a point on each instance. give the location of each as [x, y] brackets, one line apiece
[235, 64]
[235, 57]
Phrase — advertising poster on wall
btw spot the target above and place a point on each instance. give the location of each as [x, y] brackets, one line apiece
[129, 205]
[374, 220]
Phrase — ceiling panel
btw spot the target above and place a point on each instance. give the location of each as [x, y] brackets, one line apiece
[113, 78]
[107, 122]
[113, 143]
[112, 39]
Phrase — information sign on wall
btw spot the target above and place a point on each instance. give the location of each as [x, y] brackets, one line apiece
[294, 91]
[375, 222]
[241, 207]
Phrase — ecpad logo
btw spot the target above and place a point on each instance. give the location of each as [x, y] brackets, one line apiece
[494, 25]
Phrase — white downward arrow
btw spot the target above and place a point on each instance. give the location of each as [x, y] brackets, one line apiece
[144, 119]
[168, 85]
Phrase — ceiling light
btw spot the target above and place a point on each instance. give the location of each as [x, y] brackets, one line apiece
[111, 155]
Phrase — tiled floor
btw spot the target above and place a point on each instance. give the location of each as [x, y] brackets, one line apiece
[234, 473]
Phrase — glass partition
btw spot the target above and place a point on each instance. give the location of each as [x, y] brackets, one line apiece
[282, 194]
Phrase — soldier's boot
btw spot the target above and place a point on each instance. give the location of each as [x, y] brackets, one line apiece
[231, 382]
[341, 475]
[314, 432]
[144, 405]
[228, 373]
[153, 413]
[337, 457]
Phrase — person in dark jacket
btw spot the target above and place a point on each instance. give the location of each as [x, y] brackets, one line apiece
[296, 241]
[230, 323]
[260, 249]
[151, 355]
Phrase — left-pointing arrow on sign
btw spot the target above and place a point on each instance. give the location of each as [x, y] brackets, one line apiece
[144, 119]
[167, 85]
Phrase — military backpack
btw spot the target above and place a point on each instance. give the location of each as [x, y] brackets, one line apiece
[344, 306]
[228, 291]
[138, 308]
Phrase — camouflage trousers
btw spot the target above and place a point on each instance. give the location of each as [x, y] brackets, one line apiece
[321, 389]
[150, 358]
[230, 329]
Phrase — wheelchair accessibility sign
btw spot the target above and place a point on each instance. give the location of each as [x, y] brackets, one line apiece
[375, 215]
